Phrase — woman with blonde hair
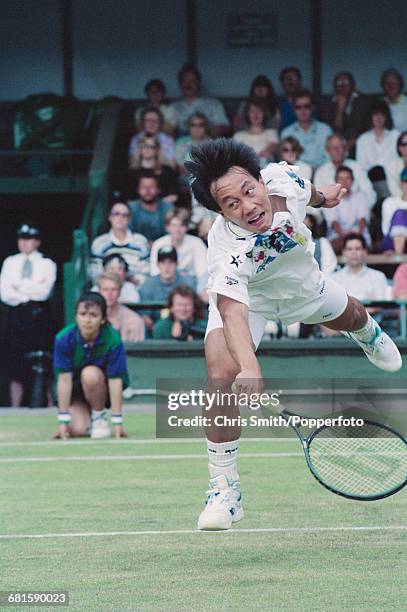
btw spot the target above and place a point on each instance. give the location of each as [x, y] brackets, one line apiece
[148, 158]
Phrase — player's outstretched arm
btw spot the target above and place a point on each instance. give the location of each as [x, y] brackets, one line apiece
[240, 344]
[326, 197]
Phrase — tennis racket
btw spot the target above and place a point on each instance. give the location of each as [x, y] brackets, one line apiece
[364, 463]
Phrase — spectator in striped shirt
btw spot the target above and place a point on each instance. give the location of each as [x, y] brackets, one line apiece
[132, 246]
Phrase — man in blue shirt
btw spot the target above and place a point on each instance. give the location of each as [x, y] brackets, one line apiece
[310, 133]
[148, 212]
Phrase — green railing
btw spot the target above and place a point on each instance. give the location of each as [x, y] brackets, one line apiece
[95, 215]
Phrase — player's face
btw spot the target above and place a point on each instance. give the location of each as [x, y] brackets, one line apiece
[28, 245]
[182, 308]
[110, 291]
[89, 319]
[243, 200]
[119, 217]
[354, 253]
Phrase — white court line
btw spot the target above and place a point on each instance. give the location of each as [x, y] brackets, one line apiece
[101, 534]
[138, 441]
[135, 457]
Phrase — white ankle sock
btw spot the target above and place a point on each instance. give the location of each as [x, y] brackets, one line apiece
[98, 414]
[368, 332]
[223, 459]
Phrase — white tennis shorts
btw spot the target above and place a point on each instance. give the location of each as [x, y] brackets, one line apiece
[327, 305]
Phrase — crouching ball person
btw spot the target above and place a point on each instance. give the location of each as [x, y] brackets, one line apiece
[90, 368]
[262, 267]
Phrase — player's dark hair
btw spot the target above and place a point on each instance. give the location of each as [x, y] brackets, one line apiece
[355, 236]
[211, 160]
[344, 169]
[92, 298]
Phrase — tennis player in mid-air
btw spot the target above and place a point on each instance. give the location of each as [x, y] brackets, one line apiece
[262, 267]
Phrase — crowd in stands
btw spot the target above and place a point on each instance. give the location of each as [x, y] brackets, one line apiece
[154, 252]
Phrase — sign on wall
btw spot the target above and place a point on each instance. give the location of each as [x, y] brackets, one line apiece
[252, 30]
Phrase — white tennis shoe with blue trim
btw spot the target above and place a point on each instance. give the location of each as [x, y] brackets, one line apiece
[223, 506]
[381, 351]
[100, 429]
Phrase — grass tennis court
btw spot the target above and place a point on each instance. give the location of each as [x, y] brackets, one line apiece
[116, 527]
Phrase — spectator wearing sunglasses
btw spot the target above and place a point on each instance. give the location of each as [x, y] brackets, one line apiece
[290, 151]
[394, 168]
[149, 160]
[120, 239]
[310, 133]
[152, 124]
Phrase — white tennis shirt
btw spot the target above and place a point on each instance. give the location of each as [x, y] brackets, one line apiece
[277, 265]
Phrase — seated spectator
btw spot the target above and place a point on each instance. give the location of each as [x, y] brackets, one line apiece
[148, 212]
[128, 323]
[91, 371]
[400, 282]
[324, 253]
[346, 111]
[191, 251]
[351, 215]
[152, 123]
[356, 277]
[291, 82]
[290, 151]
[116, 264]
[310, 133]
[155, 91]
[393, 84]
[376, 147]
[198, 127]
[394, 219]
[186, 320]
[325, 174]
[121, 239]
[157, 288]
[263, 141]
[394, 167]
[189, 79]
[261, 88]
[27, 281]
[148, 161]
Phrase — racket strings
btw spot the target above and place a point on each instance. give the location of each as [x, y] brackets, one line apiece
[369, 465]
